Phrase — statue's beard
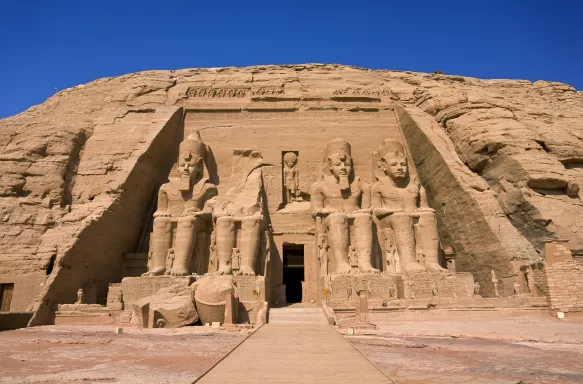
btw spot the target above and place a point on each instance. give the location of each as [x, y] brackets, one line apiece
[185, 183]
[343, 181]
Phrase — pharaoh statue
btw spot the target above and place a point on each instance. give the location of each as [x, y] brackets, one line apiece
[341, 199]
[182, 207]
[291, 177]
[400, 204]
[240, 211]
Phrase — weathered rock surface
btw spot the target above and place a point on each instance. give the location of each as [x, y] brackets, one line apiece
[170, 307]
[502, 162]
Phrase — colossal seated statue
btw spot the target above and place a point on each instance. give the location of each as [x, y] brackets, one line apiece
[240, 210]
[182, 211]
[400, 204]
[339, 199]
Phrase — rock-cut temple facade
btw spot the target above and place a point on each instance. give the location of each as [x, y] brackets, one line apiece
[172, 198]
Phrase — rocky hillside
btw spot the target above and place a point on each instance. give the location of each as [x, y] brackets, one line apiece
[78, 172]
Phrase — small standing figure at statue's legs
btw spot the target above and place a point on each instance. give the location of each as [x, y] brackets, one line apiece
[434, 291]
[169, 261]
[291, 177]
[236, 260]
[495, 282]
[477, 289]
[516, 288]
[80, 297]
[353, 259]
[323, 254]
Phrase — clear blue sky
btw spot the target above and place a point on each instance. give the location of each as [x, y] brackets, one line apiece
[52, 44]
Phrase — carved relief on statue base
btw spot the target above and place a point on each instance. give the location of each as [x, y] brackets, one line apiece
[426, 285]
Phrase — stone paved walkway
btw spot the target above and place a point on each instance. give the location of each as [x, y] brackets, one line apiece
[295, 353]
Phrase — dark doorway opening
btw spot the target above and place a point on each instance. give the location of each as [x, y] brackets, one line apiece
[293, 271]
[6, 296]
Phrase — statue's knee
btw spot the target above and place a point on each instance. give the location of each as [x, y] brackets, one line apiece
[427, 217]
[337, 218]
[186, 222]
[400, 219]
[249, 222]
[161, 223]
[224, 222]
[362, 219]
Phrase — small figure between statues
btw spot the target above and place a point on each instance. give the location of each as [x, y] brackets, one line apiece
[516, 288]
[495, 283]
[477, 289]
[80, 296]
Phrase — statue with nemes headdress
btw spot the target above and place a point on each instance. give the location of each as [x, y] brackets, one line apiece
[341, 199]
[183, 203]
[398, 202]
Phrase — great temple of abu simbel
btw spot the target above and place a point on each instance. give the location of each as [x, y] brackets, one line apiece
[213, 195]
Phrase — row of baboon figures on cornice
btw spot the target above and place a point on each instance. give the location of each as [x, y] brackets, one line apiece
[342, 206]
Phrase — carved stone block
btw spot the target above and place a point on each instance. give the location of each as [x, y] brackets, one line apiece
[136, 288]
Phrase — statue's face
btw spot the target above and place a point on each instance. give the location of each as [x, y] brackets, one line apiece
[395, 167]
[189, 166]
[340, 166]
[290, 163]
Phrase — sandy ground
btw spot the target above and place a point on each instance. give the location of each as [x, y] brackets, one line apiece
[509, 350]
[523, 350]
[95, 354]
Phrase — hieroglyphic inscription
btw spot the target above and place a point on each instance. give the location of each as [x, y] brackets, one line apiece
[250, 288]
[305, 116]
[217, 92]
[267, 91]
[361, 92]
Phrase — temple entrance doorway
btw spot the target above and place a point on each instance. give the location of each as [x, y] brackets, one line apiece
[293, 271]
[6, 296]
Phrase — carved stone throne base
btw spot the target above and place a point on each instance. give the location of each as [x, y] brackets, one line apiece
[391, 286]
[345, 287]
[136, 288]
[247, 293]
[252, 294]
[425, 284]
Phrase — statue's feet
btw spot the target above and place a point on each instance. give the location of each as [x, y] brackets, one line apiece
[246, 271]
[178, 272]
[368, 268]
[434, 267]
[343, 269]
[224, 270]
[155, 272]
[413, 268]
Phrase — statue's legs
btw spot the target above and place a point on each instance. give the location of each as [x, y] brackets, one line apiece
[161, 239]
[337, 230]
[402, 225]
[249, 247]
[429, 238]
[184, 244]
[363, 242]
[225, 244]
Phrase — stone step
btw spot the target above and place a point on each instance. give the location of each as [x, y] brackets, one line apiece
[296, 315]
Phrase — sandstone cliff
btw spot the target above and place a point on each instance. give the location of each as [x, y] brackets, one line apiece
[502, 161]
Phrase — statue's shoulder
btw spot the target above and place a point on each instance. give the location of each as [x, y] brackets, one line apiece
[376, 187]
[165, 187]
[206, 186]
[318, 186]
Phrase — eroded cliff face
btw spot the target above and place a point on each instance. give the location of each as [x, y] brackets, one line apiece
[501, 160]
